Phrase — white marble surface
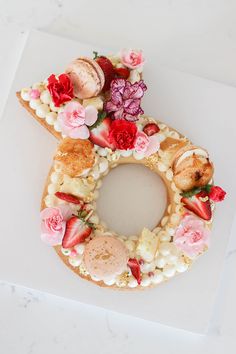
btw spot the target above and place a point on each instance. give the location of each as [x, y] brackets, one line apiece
[197, 36]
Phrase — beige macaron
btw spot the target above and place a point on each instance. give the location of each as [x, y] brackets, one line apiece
[105, 257]
[87, 77]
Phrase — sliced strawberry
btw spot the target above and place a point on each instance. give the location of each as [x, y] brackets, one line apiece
[199, 204]
[100, 134]
[76, 232]
[135, 269]
[108, 70]
[151, 129]
[122, 72]
[69, 198]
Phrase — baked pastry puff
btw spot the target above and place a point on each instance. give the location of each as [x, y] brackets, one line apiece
[74, 156]
[192, 168]
[170, 146]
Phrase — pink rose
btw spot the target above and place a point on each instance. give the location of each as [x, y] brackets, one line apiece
[75, 118]
[53, 224]
[131, 58]
[146, 144]
[191, 236]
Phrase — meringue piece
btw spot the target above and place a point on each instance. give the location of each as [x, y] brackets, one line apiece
[169, 270]
[164, 248]
[125, 153]
[134, 76]
[161, 167]
[132, 282]
[50, 201]
[164, 220]
[51, 118]
[103, 165]
[46, 97]
[57, 126]
[55, 176]
[147, 245]
[65, 251]
[52, 188]
[87, 77]
[138, 155]
[146, 280]
[160, 261]
[181, 266]
[25, 94]
[53, 107]
[75, 261]
[157, 277]
[96, 102]
[34, 103]
[148, 267]
[80, 248]
[42, 110]
[105, 257]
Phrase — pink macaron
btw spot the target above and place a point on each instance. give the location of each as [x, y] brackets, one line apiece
[105, 257]
[86, 76]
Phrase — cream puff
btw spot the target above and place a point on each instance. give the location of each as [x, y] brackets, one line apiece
[169, 147]
[87, 77]
[192, 168]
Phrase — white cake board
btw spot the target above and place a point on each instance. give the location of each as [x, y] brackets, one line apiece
[203, 110]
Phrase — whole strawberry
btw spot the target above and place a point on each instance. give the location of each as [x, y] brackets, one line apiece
[107, 68]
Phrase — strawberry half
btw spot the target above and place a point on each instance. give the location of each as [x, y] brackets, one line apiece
[135, 269]
[108, 70]
[100, 134]
[122, 72]
[76, 232]
[199, 204]
[68, 198]
[151, 129]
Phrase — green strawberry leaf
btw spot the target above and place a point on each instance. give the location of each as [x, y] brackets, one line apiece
[191, 193]
[196, 190]
[207, 188]
[101, 115]
[95, 55]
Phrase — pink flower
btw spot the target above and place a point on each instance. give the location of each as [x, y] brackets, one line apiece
[75, 118]
[131, 58]
[125, 99]
[141, 142]
[191, 236]
[146, 144]
[53, 224]
[34, 93]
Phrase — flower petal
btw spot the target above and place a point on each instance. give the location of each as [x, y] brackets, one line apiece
[153, 145]
[81, 132]
[91, 115]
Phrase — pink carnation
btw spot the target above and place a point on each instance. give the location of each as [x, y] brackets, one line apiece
[191, 236]
[125, 99]
[146, 144]
[53, 224]
[74, 120]
[131, 58]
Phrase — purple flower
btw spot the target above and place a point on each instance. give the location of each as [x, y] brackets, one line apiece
[125, 99]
